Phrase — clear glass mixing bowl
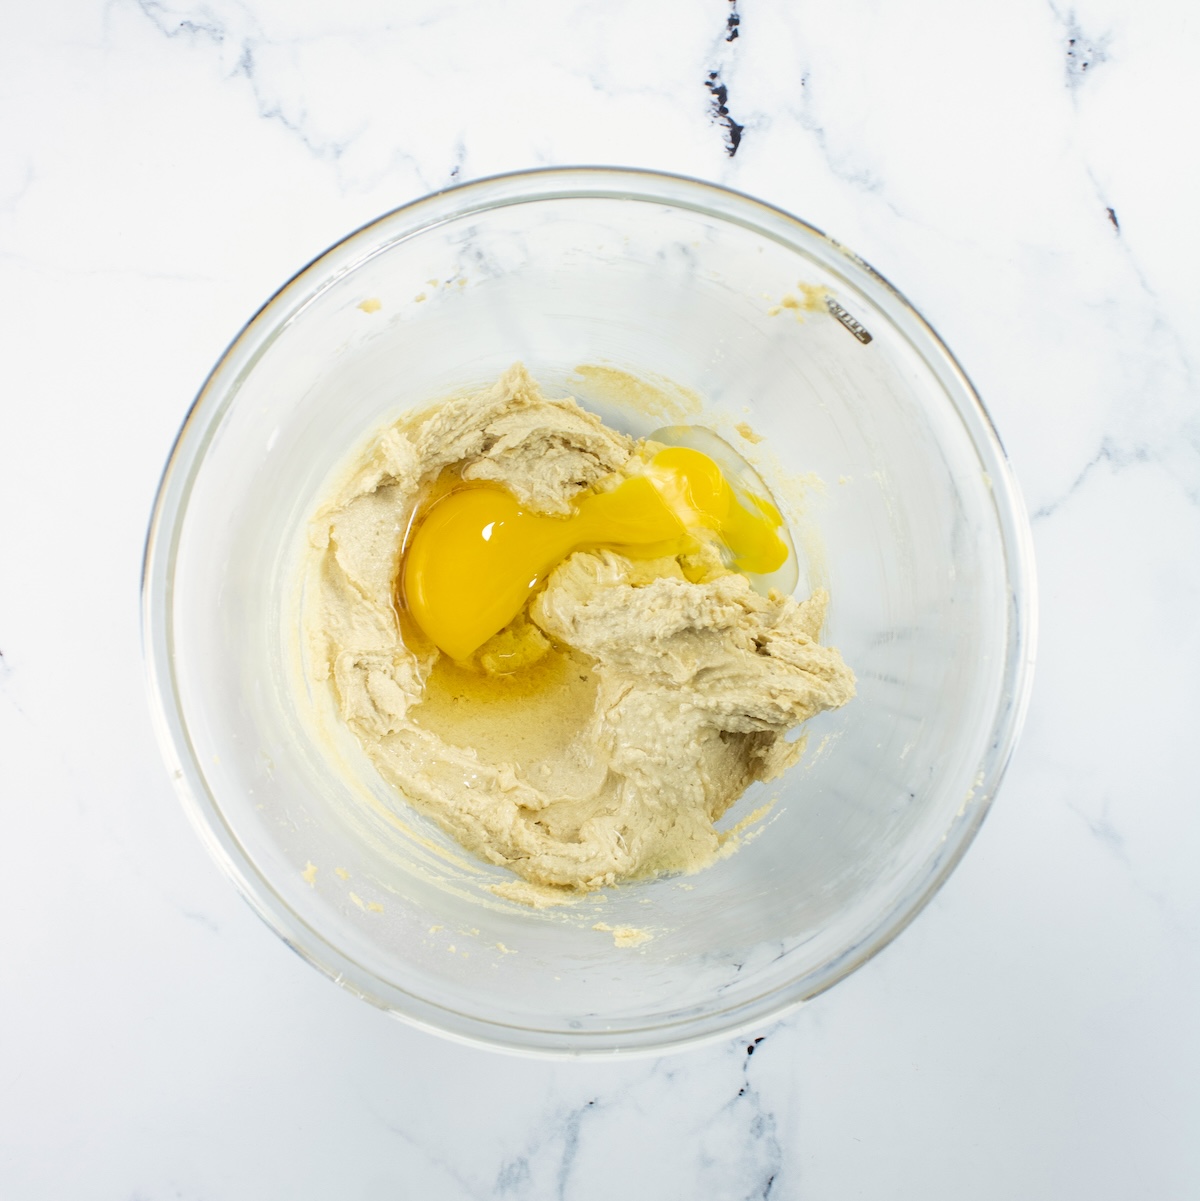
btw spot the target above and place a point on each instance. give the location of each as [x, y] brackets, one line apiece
[917, 530]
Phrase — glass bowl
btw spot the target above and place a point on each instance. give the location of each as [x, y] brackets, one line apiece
[653, 299]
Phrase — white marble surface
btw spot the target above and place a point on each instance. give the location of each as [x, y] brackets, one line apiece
[1026, 172]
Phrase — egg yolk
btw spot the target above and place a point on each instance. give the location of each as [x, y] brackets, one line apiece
[477, 555]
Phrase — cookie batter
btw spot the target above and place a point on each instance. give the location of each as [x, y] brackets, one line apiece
[600, 735]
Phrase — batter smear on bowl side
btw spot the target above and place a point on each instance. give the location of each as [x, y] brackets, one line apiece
[562, 643]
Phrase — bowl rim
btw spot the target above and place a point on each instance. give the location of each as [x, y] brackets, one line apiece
[218, 391]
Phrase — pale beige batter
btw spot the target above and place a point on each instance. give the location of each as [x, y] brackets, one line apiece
[666, 696]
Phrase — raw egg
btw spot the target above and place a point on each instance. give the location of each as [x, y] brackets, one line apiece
[477, 555]
[749, 488]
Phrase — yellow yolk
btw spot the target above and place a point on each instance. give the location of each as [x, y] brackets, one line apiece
[477, 555]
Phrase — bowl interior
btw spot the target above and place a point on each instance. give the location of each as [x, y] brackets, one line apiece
[655, 303]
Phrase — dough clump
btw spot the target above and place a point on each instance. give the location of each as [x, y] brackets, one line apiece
[675, 682]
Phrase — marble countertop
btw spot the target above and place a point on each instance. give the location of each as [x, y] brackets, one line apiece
[1025, 173]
